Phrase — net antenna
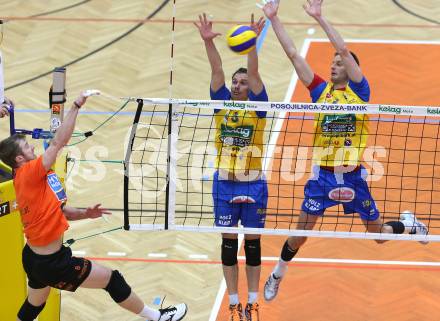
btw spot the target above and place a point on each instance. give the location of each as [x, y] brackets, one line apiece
[57, 98]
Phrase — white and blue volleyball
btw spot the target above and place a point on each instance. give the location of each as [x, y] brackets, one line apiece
[241, 39]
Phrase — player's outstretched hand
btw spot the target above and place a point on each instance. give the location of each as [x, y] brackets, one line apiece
[205, 28]
[257, 26]
[270, 8]
[313, 8]
[96, 211]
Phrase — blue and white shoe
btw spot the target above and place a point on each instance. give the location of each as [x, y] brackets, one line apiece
[271, 287]
[173, 313]
[410, 220]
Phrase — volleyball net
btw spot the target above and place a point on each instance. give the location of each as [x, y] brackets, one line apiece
[176, 147]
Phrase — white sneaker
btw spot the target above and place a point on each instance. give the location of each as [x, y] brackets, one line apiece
[416, 227]
[271, 287]
[173, 313]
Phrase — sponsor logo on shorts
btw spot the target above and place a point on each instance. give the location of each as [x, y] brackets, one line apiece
[312, 205]
[342, 194]
[366, 203]
[261, 211]
[242, 199]
[224, 220]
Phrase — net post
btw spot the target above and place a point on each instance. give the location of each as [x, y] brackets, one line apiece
[170, 202]
[127, 161]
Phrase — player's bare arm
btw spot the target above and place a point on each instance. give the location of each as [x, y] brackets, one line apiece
[302, 68]
[208, 35]
[254, 79]
[314, 9]
[92, 212]
[64, 133]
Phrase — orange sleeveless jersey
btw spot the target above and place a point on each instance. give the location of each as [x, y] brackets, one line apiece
[39, 198]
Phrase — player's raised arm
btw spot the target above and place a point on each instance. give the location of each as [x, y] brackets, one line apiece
[208, 35]
[302, 68]
[313, 9]
[64, 133]
[254, 79]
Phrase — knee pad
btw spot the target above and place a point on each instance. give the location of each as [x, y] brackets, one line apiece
[29, 312]
[252, 248]
[118, 289]
[229, 251]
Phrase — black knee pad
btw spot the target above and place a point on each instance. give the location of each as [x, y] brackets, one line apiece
[229, 251]
[252, 248]
[118, 289]
[29, 312]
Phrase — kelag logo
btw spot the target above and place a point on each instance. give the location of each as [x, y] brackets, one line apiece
[434, 111]
[234, 104]
[389, 109]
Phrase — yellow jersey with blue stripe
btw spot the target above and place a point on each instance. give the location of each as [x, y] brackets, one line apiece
[239, 135]
[340, 139]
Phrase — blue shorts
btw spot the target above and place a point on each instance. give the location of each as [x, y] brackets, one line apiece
[244, 201]
[327, 189]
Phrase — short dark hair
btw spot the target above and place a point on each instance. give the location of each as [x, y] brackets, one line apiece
[10, 148]
[240, 70]
[353, 55]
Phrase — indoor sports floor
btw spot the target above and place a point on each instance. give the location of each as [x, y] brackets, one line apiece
[105, 47]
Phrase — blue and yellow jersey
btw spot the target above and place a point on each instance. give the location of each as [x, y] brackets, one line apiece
[239, 135]
[340, 139]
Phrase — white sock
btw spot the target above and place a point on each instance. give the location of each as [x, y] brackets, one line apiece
[280, 269]
[233, 299]
[252, 297]
[149, 313]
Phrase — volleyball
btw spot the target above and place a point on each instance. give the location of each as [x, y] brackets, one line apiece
[241, 39]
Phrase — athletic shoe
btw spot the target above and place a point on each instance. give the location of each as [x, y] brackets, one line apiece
[235, 312]
[173, 313]
[251, 312]
[416, 226]
[271, 287]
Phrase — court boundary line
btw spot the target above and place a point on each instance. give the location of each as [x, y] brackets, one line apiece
[379, 41]
[298, 262]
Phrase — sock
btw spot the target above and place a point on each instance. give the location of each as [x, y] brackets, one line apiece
[149, 313]
[280, 269]
[252, 297]
[233, 299]
[408, 226]
[399, 226]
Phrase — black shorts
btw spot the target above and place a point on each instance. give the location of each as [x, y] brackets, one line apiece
[59, 270]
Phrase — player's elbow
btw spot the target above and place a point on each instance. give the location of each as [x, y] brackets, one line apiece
[343, 51]
[293, 55]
